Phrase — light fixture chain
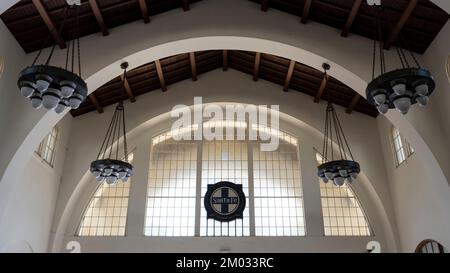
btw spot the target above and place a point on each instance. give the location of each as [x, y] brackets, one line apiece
[104, 146]
[114, 133]
[125, 144]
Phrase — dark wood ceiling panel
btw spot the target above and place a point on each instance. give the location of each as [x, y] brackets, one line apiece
[177, 68]
[420, 29]
[27, 26]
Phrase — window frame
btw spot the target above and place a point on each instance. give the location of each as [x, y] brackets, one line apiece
[44, 149]
[405, 148]
[251, 196]
[427, 242]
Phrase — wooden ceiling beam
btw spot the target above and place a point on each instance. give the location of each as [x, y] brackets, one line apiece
[98, 16]
[185, 4]
[353, 103]
[96, 103]
[225, 60]
[322, 87]
[306, 9]
[400, 24]
[351, 17]
[160, 72]
[193, 65]
[289, 74]
[144, 11]
[264, 5]
[126, 86]
[256, 66]
[49, 22]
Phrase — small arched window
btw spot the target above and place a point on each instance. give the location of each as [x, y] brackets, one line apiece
[402, 149]
[430, 246]
[2, 65]
[448, 68]
[47, 148]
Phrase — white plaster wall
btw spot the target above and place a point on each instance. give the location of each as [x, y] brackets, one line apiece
[14, 58]
[32, 203]
[421, 201]
[219, 86]
[436, 59]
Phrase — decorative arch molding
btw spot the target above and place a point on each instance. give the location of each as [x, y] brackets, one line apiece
[311, 45]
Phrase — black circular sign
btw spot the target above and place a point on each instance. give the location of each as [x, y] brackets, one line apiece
[224, 201]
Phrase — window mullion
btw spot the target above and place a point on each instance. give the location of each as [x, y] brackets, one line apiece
[251, 198]
[198, 188]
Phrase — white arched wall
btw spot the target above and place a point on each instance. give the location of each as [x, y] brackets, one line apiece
[148, 117]
[208, 26]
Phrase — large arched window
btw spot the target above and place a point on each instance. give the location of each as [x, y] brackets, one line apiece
[341, 209]
[106, 213]
[181, 170]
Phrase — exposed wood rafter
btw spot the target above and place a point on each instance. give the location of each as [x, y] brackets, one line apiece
[225, 60]
[306, 10]
[256, 66]
[144, 11]
[322, 87]
[401, 23]
[49, 22]
[126, 86]
[264, 5]
[193, 65]
[96, 103]
[289, 75]
[159, 70]
[353, 103]
[98, 17]
[185, 4]
[351, 17]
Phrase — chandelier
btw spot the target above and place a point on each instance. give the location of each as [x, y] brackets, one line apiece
[57, 88]
[336, 166]
[399, 88]
[108, 166]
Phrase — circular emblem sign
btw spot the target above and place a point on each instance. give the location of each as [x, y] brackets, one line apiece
[224, 201]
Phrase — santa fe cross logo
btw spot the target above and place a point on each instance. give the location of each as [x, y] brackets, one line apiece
[224, 201]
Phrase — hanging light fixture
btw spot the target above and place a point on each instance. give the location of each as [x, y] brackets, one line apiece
[108, 166]
[336, 167]
[57, 88]
[400, 88]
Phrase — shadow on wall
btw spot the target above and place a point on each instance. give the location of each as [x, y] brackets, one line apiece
[17, 247]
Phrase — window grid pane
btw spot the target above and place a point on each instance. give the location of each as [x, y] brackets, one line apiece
[171, 189]
[106, 214]
[224, 161]
[399, 148]
[342, 213]
[278, 192]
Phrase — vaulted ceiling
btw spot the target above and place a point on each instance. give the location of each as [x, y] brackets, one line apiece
[418, 20]
[157, 76]
[34, 24]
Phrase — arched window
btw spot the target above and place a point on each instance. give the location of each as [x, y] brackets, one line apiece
[342, 212]
[106, 213]
[402, 149]
[2, 65]
[181, 170]
[47, 148]
[448, 68]
[430, 246]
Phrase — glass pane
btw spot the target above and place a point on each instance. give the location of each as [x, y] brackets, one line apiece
[224, 161]
[278, 191]
[106, 213]
[171, 188]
